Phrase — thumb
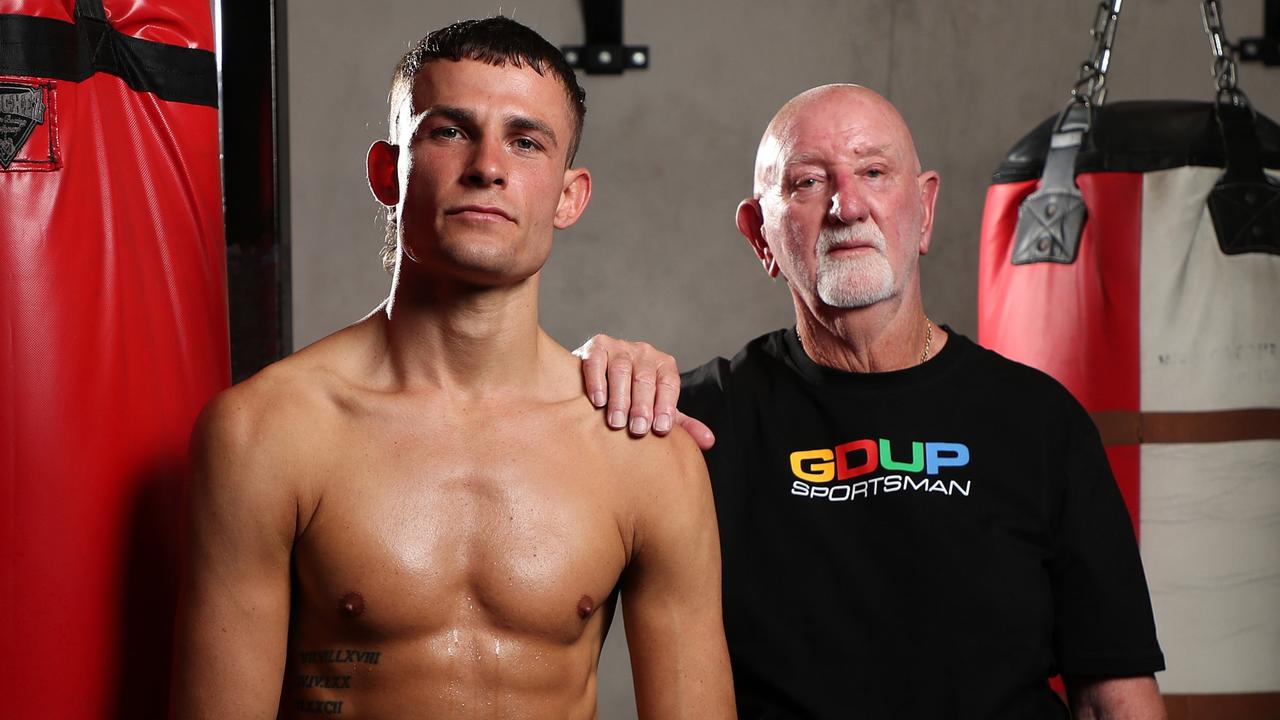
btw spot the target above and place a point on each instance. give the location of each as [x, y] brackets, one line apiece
[698, 430]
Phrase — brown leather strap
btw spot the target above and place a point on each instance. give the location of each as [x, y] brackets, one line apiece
[1132, 428]
[1232, 706]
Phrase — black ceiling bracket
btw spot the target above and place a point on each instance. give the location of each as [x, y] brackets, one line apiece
[1265, 49]
[604, 53]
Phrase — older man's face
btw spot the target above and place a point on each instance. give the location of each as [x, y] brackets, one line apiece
[844, 208]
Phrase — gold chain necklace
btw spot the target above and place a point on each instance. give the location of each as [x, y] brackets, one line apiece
[928, 339]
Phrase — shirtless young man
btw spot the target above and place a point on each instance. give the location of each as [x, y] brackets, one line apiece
[420, 515]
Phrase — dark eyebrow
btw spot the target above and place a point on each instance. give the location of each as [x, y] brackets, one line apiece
[462, 116]
[524, 122]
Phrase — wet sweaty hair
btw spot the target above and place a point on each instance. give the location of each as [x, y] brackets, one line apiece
[497, 41]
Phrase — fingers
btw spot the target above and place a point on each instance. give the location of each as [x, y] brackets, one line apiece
[700, 433]
[637, 385]
[644, 385]
[619, 377]
[594, 361]
[664, 404]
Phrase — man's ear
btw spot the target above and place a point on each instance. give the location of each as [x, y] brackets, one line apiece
[380, 166]
[928, 182]
[751, 225]
[573, 198]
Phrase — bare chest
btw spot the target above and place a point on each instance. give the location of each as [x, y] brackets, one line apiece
[461, 525]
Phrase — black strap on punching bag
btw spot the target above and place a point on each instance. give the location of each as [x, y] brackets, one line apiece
[1244, 205]
[48, 48]
[1051, 219]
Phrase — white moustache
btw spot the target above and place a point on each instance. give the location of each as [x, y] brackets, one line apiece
[864, 233]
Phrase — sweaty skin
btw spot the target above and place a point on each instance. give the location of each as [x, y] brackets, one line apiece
[420, 516]
[352, 605]
[478, 535]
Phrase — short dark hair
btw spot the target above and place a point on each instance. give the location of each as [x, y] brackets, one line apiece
[498, 41]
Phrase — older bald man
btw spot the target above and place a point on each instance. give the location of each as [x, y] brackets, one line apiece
[912, 526]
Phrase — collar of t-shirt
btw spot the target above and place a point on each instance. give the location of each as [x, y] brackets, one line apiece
[935, 367]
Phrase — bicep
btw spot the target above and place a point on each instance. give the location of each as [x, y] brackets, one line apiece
[671, 598]
[234, 607]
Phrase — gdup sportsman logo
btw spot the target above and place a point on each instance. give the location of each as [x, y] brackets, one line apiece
[821, 473]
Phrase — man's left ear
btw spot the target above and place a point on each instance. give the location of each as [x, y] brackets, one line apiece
[928, 182]
[574, 197]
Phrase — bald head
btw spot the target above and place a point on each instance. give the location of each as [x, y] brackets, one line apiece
[842, 113]
[841, 207]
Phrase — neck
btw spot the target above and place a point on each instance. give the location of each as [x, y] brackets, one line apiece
[889, 335]
[449, 335]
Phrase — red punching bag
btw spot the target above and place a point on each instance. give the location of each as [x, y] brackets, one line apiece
[113, 301]
[1132, 251]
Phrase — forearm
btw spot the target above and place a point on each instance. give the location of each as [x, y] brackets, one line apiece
[1126, 698]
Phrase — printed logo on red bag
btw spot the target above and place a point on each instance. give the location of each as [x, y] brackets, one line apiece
[28, 125]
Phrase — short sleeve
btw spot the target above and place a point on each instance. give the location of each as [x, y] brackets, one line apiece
[1103, 620]
[703, 396]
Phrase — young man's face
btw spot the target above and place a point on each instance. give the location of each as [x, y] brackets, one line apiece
[482, 171]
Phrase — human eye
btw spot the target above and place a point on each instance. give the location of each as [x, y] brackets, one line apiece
[447, 132]
[526, 144]
[875, 171]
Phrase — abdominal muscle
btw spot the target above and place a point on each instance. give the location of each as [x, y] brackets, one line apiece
[469, 669]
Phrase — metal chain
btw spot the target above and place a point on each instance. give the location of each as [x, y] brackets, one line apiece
[1224, 61]
[1091, 88]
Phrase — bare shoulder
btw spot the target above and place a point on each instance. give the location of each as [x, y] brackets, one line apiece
[252, 442]
[665, 477]
[652, 473]
[664, 459]
[270, 408]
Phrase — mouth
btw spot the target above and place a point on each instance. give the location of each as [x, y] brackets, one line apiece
[479, 213]
[856, 245]
[851, 248]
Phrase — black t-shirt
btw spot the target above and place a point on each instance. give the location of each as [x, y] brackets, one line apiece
[934, 542]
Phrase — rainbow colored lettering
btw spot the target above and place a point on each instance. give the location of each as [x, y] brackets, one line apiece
[864, 456]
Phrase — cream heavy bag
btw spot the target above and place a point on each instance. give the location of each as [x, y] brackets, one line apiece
[1133, 252]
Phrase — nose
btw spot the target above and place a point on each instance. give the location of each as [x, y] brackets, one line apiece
[848, 206]
[487, 166]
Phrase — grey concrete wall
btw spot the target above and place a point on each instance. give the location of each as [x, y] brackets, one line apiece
[657, 256]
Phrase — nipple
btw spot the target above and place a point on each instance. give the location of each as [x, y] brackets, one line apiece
[585, 606]
[351, 605]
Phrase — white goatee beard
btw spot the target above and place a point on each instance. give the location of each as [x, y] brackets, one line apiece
[853, 282]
